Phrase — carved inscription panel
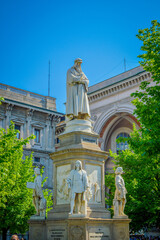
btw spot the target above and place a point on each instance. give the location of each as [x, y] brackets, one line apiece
[57, 233]
[94, 180]
[99, 233]
[62, 186]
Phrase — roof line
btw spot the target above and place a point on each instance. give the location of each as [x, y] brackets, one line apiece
[44, 109]
[23, 90]
[116, 82]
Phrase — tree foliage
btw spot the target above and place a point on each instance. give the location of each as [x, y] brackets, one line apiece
[15, 198]
[15, 171]
[141, 162]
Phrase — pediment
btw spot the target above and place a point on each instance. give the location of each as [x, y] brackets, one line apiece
[38, 124]
[18, 120]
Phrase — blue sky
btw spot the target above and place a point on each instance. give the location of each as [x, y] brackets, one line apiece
[102, 33]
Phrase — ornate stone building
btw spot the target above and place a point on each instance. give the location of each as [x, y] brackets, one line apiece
[112, 110]
[32, 114]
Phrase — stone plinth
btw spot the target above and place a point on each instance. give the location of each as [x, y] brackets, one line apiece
[81, 146]
[78, 125]
[80, 229]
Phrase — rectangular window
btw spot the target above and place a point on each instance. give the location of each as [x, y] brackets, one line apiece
[36, 159]
[37, 134]
[18, 127]
[57, 140]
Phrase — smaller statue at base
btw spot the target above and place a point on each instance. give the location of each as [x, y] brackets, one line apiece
[78, 184]
[119, 200]
[38, 198]
[39, 201]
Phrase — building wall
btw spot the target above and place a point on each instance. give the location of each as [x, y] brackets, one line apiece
[111, 107]
[32, 112]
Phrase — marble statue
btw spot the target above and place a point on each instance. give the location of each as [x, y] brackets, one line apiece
[120, 194]
[78, 184]
[77, 106]
[38, 199]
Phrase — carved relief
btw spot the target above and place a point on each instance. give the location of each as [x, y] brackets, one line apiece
[77, 233]
[62, 186]
[94, 181]
[37, 233]
[121, 233]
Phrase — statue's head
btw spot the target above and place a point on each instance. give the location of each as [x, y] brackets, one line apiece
[37, 171]
[119, 170]
[78, 61]
[78, 165]
[77, 64]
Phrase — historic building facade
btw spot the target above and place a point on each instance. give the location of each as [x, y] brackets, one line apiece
[112, 110]
[32, 114]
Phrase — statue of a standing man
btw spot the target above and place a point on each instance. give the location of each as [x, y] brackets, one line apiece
[78, 183]
[38, 198]
[120, 194]
[77, 106]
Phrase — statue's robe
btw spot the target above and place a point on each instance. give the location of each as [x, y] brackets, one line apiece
[121, 191]
[38, 198]
[77, 99]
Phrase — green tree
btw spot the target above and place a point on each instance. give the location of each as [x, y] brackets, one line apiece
[141, 162]
[15, 198]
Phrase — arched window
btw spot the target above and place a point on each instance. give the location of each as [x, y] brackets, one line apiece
[123, 145]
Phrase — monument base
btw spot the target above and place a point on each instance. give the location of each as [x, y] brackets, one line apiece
[79, 229]
[35, 217]
[120, 217]
[78, 125]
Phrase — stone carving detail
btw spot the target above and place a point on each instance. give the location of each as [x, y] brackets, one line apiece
[55, 118]
[77, 233]
[77, 105]
[121, 233]
[37, 233]
[94, 181]
[49, 117]
[30, 112]
[120, 194]
[78, 184]
[38, 199]
[9, 107]
[62, 185]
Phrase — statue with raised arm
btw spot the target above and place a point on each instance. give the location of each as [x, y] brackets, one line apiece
[38, 198]
[120, 194]
[78, 184]
[77, 106]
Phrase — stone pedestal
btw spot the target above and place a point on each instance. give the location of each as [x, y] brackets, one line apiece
[78, 145]
[80, 229]
[97, 224]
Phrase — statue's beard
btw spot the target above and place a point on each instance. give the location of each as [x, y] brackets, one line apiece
[78, 68]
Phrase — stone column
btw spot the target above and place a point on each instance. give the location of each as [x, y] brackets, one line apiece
[47, 132]
[29, 114]
[55, 120]
[8, 113]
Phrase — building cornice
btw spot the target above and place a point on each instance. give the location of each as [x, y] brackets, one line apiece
[35, 108]
[119, 86]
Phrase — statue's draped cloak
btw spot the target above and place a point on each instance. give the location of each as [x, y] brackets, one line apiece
[37, 192]
[121, 191]
[77, 100]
